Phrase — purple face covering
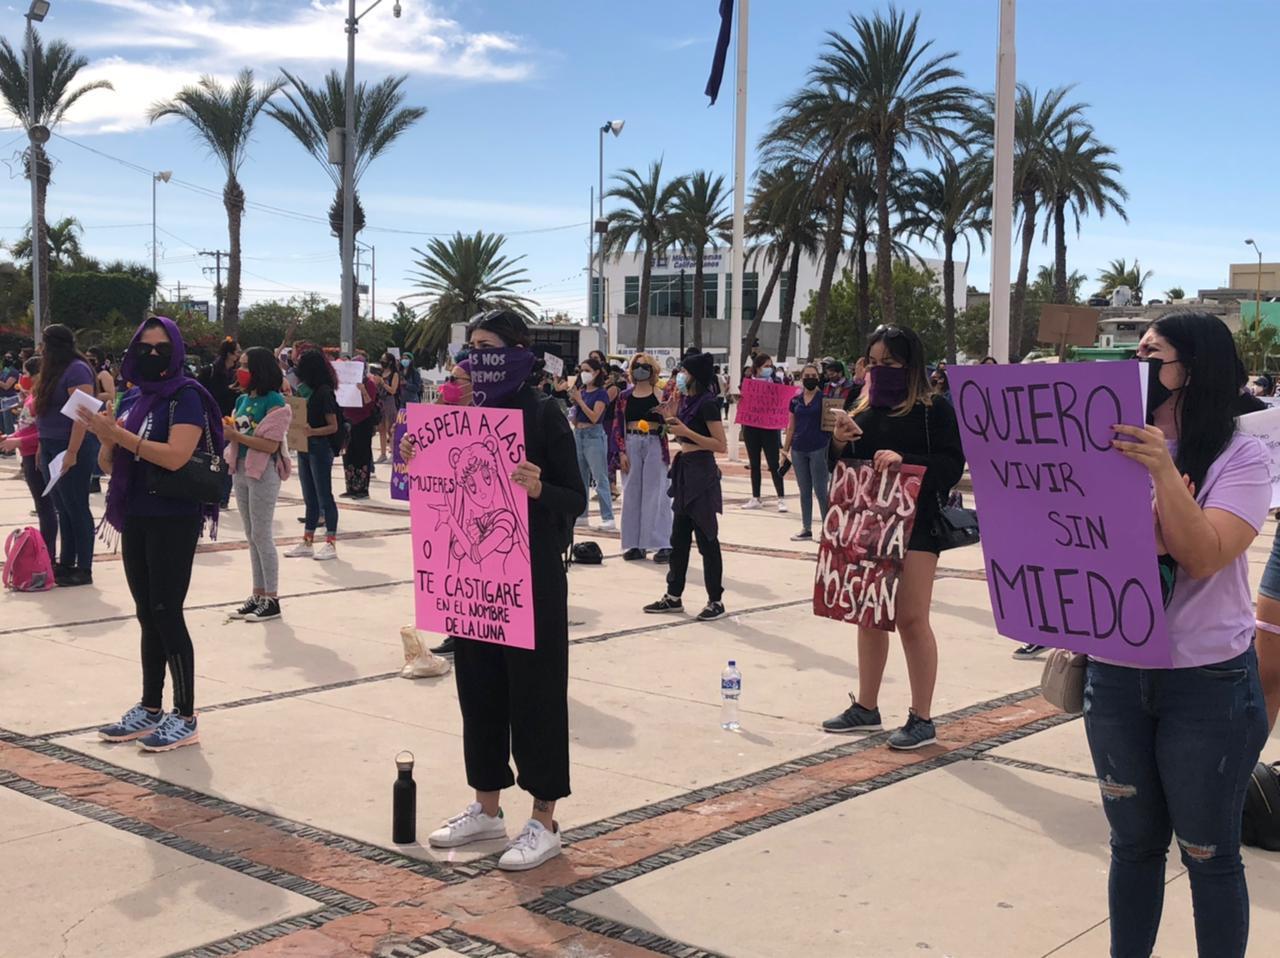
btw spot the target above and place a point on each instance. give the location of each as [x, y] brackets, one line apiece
[497, 373]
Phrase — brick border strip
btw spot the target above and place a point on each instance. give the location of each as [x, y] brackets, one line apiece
[1037, 766]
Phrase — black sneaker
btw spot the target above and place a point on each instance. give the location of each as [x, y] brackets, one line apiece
[668, 603]
[445, 648]
[713, 610]
[662, 556]
[1029, 651]
[250, 605]
[916, 733]
[631, 555]
[854, 719]
[95, 486]
[268, 608]
[346, 495]
[73, 577]
[804, 535]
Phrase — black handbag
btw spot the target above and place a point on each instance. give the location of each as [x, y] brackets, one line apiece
[955, 526]
[200, 479]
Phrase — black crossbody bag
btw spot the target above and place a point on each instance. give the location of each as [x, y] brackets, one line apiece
[200, 479]
[955, 526]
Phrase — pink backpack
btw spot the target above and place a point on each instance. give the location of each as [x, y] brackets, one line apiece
[27, 567]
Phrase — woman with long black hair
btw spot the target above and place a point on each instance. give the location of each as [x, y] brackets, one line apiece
[805, 446]
[693, 420]
[766, 441]
[515, 702]
[589, 399]
[1174, 748]
[64, 370]
[167, 416]
[316, 384]
[897, 420]
[644, 457]
[357, 457]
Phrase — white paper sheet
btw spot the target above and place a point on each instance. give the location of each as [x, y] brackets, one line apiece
[348, 396]
[350, 372]
[554, 364]
[80, 400]
[1265, 424]
[55, 471]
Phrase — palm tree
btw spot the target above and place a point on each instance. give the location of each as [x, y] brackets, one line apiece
[56, 68]
[1083, 179]
[312, 112]
[647, 220]
[901, 97]
[458, 278]
[63, 240]
[223, 118]
[1174, 293]
[701, 220]
[1120, 273]
[781, 221]
[1038, 124]
[1043, 290]
[949, 205]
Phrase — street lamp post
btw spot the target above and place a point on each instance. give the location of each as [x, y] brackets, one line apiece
[1257, 295]
[162, 177]
[38, 135]
[348, 178]
[614, 127]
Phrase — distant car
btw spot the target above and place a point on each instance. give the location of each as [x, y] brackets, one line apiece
[1099, 300]
[1155, 302]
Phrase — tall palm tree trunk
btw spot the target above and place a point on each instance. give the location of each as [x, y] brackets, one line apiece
[1019, 303]
[884, 241]
[698, 281]
[949, 292]
[40, 231]
[830, 254]
[233, 201]
[1060, 249]
[861, 235]
[765, 298]
[789, 301]
[642, 313]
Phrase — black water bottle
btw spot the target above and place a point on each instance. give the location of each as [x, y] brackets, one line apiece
[404, 802]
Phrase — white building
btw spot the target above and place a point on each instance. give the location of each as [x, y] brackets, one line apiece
[622, 294]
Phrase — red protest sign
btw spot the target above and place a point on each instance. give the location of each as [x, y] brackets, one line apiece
[864, 542]
[764, 404]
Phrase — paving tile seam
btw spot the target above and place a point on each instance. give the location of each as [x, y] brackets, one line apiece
[616, 930]
[241, 941]
[1037, 767]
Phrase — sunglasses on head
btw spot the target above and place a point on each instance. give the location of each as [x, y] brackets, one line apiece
[147, 349]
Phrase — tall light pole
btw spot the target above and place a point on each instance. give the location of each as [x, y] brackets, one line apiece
[162, 177]
[1002, 186]
[348, 346]
[38, 135]
[614, 127]
[1257, 296]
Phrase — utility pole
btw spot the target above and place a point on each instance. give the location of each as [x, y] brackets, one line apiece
[179, 298]
[682, 314]
[217, 289]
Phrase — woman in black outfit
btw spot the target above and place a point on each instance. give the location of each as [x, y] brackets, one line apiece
[693, 420]
[764, 440]
[516, 701]
[899, 420]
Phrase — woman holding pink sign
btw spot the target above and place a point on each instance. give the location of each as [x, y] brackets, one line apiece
[765, 441]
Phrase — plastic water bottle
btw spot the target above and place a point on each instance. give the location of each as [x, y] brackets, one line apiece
[730, 690]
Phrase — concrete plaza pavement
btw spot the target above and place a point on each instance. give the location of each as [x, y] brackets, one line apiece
[272, 837]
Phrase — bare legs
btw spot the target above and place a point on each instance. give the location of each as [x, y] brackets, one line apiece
[543, 812]
[915, 594]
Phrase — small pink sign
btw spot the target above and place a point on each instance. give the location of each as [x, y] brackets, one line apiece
[470, 524]
[765, 404]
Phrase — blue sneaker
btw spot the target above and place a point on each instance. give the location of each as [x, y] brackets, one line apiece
[174, 732]
[136, 723]
[917, 733]
[854, 719]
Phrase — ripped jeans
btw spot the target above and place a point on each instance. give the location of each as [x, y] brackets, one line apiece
[1173, 749]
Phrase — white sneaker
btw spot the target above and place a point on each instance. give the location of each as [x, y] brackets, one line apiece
[751, 504]
[609, 526]
[581, 522]
[471, 825]
[782, 505]
[532, 847]
[326, 551]
[303, 550]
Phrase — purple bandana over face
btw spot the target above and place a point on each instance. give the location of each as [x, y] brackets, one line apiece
[497, 373]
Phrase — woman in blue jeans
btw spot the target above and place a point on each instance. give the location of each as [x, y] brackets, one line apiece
[64, 370]
[316, 383]
[1174, 748]
[806, 446]
[587, 403]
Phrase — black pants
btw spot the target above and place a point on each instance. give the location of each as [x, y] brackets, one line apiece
[357, 461]
[44, 505]
[158, 552]
[766, 441]
[515, 703]
[683, 532]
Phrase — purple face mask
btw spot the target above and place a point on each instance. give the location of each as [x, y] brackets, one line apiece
[497, 373]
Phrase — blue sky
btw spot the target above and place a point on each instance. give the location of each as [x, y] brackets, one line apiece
[516, 90]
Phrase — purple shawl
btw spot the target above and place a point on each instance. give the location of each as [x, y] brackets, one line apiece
[140, 401]
[691, 406]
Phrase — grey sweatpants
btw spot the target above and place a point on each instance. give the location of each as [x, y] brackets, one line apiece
[256, 501]
[646, 507]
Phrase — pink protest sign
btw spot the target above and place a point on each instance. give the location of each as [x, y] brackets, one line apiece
[766, 405]
[470, 524]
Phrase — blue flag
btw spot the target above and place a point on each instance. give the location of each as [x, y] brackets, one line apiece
[722, 50]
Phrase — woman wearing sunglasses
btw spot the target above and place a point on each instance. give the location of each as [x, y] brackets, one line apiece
[898, 420]
[166, 417]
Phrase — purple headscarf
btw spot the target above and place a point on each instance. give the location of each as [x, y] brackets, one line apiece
[140, 401]
[498, 373]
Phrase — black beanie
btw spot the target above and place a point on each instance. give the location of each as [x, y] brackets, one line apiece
[701, 367]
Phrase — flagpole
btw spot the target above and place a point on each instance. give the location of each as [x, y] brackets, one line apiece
[738, 254]
[1002, 187]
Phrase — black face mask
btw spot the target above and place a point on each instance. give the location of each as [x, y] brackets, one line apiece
[810, 383]
[1157, 392]
[152, 367]
[641, 374]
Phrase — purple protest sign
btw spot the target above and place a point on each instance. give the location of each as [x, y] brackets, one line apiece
[399, 468]
[1067, 529]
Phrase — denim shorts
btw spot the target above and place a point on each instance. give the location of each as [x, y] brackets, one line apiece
[1270, 585]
